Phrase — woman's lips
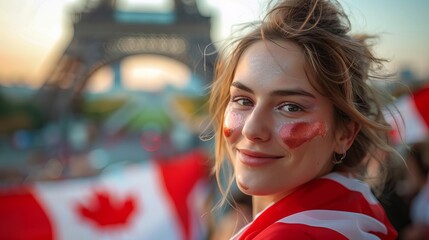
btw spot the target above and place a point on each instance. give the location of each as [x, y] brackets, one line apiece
[255, 159]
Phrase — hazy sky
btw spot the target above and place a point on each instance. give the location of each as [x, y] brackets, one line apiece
[33, 33]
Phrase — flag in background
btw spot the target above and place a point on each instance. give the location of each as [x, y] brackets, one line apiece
[409, 117]
[160, 199]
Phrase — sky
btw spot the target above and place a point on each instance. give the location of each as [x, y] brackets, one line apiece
[34, 33]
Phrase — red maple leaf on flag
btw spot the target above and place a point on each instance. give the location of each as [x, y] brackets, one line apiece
[106, 211]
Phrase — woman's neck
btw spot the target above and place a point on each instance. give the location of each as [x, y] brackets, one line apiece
[260, 203]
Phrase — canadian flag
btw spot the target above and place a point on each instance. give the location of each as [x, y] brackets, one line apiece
[409, 117]
[160, 199]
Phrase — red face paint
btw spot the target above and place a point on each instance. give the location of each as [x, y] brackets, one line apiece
[295, 134]
[227, 131]
[232, 122]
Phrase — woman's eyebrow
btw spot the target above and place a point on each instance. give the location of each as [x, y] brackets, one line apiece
[284, 92]
[291, 92]
[241, 86]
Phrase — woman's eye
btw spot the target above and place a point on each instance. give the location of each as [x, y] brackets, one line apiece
[290, 108]
[243, 101]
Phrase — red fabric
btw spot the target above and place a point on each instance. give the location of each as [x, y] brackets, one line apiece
[421, 101]
[280, 231]
[21, 216]
[105, 212]
[319, 194]
[180, 176]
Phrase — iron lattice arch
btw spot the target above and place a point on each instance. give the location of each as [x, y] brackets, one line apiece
[100, 37]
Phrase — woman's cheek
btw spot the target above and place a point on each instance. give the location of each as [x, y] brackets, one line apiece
[296, 134]
[232, 125]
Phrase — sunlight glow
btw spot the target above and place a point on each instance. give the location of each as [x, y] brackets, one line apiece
[101, 80]
[153, 73]
[146, 5]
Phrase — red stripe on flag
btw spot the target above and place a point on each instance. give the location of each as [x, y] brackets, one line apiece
[22, 217]
[421, 101]
[180, 175]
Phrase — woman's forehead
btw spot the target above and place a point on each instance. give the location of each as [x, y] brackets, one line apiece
[267, 61]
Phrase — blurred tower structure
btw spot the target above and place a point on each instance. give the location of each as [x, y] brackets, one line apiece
[104, 35]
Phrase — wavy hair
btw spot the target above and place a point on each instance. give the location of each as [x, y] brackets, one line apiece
[339, 65]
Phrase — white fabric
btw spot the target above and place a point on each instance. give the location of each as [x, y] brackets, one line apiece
[354, 226]
[152, 219]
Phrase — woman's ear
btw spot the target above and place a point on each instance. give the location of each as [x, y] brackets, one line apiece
[345, 136]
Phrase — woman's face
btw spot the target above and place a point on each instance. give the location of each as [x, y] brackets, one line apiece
[278, 129]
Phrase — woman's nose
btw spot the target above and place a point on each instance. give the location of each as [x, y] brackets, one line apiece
[257, 126]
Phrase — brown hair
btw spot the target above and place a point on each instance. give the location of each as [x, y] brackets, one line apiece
[340, 63]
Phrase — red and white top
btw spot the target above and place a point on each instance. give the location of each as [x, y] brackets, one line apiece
[330, 207]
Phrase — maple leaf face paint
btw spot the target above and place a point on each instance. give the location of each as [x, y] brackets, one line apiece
[296, 134]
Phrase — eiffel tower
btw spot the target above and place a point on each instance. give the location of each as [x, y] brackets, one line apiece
[103, 36]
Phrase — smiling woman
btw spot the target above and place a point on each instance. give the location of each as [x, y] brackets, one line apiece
[287, 125]
[296, 120]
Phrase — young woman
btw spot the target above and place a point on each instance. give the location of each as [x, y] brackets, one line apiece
[296, 119]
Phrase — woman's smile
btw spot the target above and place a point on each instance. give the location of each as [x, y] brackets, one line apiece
[256, 159]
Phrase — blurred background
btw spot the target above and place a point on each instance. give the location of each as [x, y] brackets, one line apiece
[102, 103]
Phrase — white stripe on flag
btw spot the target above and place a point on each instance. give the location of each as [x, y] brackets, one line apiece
[354, 226]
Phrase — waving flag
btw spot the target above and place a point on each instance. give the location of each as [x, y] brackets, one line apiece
[160, 199]
[409, 117]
